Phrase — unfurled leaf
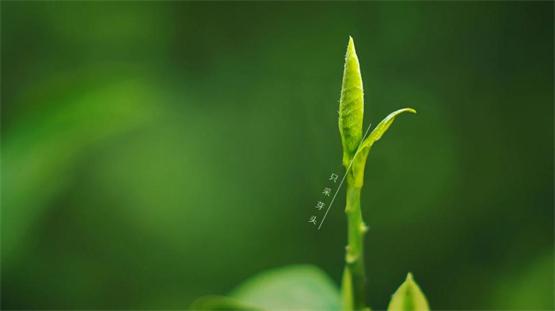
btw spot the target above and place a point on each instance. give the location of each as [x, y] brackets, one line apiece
[290, 288]
[408, 297]
[351, 105]
[383, 126]
[362, 153]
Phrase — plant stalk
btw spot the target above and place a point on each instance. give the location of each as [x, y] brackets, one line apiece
[354, 256]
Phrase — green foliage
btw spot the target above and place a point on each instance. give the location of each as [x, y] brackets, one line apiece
[408, 297]
[89, 199]
[289, 288]
[350, 127]
[306, 287]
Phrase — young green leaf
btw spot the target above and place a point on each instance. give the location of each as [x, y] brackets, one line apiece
[351, 105]
[408, 297]
[384, 125]
[362, 153]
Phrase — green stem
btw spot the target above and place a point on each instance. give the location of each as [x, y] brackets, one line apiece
[354, 257]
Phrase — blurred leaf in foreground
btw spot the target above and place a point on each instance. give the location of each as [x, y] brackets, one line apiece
[301, 287]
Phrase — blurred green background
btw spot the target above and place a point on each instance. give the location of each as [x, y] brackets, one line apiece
[153, 152]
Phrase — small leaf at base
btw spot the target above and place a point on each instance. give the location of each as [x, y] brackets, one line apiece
[408, 297]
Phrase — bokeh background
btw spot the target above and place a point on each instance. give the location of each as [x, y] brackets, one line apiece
[153, 152]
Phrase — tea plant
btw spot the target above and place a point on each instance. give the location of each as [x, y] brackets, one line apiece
[306, 287]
